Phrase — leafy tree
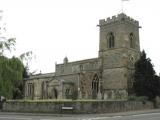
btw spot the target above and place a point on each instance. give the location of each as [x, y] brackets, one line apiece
[146, 82]
[12, 70]
[26, 57]
[6, 44]
[11, 75]
[26, 72]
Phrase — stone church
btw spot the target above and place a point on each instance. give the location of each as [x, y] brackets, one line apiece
[107, 77]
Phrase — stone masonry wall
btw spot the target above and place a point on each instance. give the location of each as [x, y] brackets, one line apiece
[79, 106]
[77, 66]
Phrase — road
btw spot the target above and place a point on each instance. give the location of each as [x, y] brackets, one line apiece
[122, 116]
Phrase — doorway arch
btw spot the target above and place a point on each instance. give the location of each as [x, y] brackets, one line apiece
[55, 93]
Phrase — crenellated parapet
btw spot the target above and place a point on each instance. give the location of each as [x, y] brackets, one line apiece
[119, 18]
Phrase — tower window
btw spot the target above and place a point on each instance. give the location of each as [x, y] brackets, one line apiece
[132, 41]
[110, 40]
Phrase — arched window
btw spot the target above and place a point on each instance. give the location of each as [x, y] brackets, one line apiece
[132, 41]
[110, 40]
[95, 86]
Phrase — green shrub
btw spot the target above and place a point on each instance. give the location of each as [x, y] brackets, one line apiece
[135, 98]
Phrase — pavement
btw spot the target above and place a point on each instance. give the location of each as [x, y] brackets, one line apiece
[153, 114]
[101, 114]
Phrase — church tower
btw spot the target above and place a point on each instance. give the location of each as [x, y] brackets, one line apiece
[119, 48]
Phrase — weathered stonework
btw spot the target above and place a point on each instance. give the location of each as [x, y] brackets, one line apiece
[92, 107]
[107, 77]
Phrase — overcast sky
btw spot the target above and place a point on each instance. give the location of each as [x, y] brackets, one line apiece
[53, 29]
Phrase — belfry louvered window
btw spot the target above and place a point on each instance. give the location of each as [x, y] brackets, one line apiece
[132, 41]
[110, 40]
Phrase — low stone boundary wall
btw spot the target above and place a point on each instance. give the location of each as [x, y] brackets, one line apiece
[79, 106]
